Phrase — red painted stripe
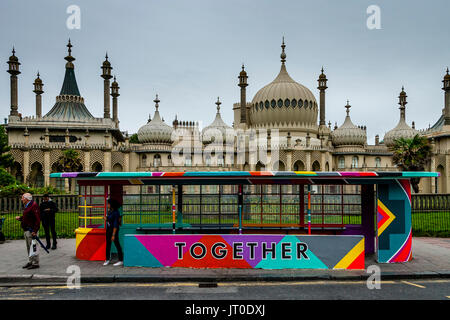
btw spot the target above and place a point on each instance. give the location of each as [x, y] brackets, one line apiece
[404, 253]
[385, 217]
[261, 173]
[358, 263]
[173, 174]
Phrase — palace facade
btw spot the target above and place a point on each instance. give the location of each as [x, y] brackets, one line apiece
[303, 140]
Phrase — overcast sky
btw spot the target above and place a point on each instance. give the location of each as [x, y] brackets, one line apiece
[190, 52]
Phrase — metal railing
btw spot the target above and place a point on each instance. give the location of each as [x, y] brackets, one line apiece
[430, 214]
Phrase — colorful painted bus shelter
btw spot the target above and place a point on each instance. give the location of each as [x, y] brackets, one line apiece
[242, 219]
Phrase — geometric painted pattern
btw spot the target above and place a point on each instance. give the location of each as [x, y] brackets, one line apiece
[394, 234]
[244, 251]
[90, 244]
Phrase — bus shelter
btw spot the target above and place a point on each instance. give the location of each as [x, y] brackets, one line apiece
[249, 219]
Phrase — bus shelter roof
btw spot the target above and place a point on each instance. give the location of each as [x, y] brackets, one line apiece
[241, 177]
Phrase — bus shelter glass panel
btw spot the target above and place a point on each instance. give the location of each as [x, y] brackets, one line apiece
[92, 206]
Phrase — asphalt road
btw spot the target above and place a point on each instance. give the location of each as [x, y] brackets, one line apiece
[433, 289]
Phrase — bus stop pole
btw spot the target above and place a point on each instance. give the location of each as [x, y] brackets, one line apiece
[240, 201]
[309, 209]
[173, 209]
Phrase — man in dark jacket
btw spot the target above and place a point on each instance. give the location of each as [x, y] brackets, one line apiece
[48, 209]
[30, 222]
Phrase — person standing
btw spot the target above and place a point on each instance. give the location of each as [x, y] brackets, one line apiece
[112, 231]
[30, 222]
[48, 209]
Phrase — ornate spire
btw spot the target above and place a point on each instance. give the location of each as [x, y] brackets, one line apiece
[69, 57]
[218, 103]
[283, 54]
[402, 102]
[348, 106]
[156, 101]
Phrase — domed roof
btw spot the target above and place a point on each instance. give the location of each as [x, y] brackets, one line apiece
[69, 104]
[218, 125]
[155, 131]
[284, 101]
[402, 130]
[348, 133]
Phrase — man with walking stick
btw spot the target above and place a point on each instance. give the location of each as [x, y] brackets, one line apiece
[30, 222]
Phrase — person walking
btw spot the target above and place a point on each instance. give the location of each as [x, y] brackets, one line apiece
[30, 222]
[48, 209]
[113, 221]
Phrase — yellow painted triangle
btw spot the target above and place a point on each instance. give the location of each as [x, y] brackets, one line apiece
[389, 220]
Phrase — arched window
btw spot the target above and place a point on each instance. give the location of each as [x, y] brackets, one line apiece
[300, 103]
[157, 160]
[341, 162]
[294, 103]
[299, 166]
[287, 103]
[220, 161]
[208, 160]
[188, 161]
[144, 160]
[355, 162]
[316, 166]
[377, 162]
[273, 104]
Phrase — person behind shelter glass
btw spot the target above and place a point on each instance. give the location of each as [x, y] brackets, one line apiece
[48, 209]
[30, 222]
[112, 231]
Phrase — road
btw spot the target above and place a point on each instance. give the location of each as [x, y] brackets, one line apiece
[432, 289]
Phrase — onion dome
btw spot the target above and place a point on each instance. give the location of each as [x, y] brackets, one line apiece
[348, 134]
[13, 57]
[218, 126]
[402, 130]
[284, 101]
[106, 68]
[155, 131]
[69, 104]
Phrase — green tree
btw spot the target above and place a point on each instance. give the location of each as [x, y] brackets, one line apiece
[412, 155]
[6, 158]
[69, 161]
[134, 138]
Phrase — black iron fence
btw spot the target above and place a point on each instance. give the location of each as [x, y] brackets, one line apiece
[430, 215]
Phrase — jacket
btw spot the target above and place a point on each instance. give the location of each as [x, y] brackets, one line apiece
[48, 205]
[31, 218]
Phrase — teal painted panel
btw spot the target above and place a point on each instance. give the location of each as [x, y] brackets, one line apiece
[135, 254]
[279, 263]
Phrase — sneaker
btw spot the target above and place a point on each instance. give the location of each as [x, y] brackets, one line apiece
[33, 266]
[119, 263]
[53, 247]
[27, 265]
[106, 263]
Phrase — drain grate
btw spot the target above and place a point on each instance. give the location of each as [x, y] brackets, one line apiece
[207, 285]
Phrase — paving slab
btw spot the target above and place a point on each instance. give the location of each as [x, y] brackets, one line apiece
[431, 259]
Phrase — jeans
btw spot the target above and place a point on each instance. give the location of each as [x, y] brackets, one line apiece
[109, 232]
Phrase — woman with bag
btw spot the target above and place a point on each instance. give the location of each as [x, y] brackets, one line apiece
[113, 221]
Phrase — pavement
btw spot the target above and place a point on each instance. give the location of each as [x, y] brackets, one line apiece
[431, 260]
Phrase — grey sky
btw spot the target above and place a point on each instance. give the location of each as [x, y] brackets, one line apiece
[190, 52]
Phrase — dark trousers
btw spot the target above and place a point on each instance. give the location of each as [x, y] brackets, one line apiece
[109, 232]
[48, 222]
